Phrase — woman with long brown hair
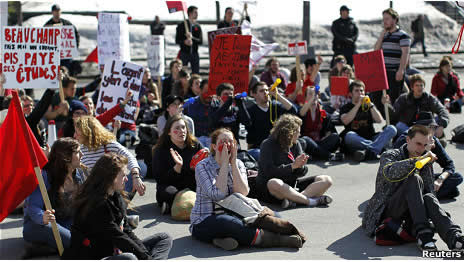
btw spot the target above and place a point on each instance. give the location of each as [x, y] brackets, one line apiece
[281, 162]
[96, 141]
[100, 228]
[171, 161]
[62, 176]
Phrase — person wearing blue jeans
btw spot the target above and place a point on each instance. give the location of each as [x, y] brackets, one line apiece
[358, 117]
[448, 180]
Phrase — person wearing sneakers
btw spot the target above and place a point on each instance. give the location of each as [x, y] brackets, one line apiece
[359, 135]
[446, 183]
[281, 162]
[320, 138]
[218, 176]
[170, 163]
[408, 197]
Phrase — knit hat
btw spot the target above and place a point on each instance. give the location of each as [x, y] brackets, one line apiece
[76, 105]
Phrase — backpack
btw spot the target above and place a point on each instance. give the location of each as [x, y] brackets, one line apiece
[251, 165]
[391, 233]
[457, 134]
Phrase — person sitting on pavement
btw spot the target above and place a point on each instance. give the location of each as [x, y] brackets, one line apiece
[319, 137]
[339, 62]
[96, 141]
[228, 111]
[445, 183]
[337, 101]
[149, 111]
[358, 116]
[446, 85]
[218, 176]
[101, 229]
[194, 86]
[62, 177]
[409, 105]
[312, 71]
[296, 90]
[273, 73]
[263, 113]
[173, 77]
[173, 105]
[181, 87]
[148, 86]
[409, 198]
[171, 161]
[198, 109]
[282, 161]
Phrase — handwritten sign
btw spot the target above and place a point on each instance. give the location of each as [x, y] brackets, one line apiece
[297, 48]
[339, 85]
[235, 30]
[258, 49]
[156, 54]
[118, 76]
[113, 37]
[68, 43]
[30, 56]
[369, 67]
[229, 62]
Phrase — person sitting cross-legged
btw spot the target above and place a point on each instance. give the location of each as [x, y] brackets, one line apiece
[281, 162]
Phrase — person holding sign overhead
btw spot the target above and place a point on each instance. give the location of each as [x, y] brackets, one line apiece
[404, 195]
[189, 41]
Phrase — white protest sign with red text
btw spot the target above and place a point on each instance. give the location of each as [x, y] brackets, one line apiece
[30, 56]
[156, 54]
[113, 37]
[118, 76]
[68, 43]
[297, 48]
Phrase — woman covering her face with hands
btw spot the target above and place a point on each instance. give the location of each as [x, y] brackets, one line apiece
[281, 162]
[171, 161]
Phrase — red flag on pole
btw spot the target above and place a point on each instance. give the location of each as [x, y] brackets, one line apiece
[20, 153]
[92, 57]
[175, 6]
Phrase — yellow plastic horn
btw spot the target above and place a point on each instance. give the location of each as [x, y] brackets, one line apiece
[275, 84]
[420, 163]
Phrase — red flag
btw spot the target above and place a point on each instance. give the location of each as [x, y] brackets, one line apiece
[20, 153]
[175, 6]
[92, 57]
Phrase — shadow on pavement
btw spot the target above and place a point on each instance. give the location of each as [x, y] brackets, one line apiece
[357, 246]
[151, 211]
[188, 246]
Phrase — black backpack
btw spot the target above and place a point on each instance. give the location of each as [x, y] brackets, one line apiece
[457, 134]
[252, 171]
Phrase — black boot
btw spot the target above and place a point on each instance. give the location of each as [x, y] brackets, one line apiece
[270, 239]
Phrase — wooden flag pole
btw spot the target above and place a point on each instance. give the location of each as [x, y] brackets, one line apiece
[48, 206]
[386, 109]
[60, 90]
[159, 87]
[185, 23]
[297, 71]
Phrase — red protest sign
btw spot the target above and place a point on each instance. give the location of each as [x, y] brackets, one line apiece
[339, 85]
[175, 6]
[297, 48]
[229, 62]
[223, 31]
[369, 67]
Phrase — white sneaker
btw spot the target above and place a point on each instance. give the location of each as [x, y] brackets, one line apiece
[133, 221]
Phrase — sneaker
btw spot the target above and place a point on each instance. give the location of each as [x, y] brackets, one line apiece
[458, 245]
[163, 208]
[287, 204]
[359, 155]
[133, 221]
[338, 156]
[324, 200]
[425, 241]
[227, 243]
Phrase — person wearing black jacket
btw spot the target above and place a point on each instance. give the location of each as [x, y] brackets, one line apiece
[225, 114]
[282, 162]
[171, 161]
[189, 41]
[228, 15]
[345, 33]
[37, 113]
[100, 228]
[446, 182]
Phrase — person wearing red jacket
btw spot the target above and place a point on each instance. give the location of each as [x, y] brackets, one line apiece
[446, 85]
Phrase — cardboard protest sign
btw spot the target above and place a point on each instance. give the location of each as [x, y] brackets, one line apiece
[31, 57]
[369, 67]
[68, 43]
[118, 76]
[113, 37]
[156, 54]
[235, 30]
[229, 62]
[339, 85]
[258, 49]
[297, 48]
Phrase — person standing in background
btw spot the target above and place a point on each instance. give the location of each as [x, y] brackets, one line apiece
[345, 33]
[189, 41]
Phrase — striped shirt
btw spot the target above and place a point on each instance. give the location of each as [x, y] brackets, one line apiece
[90, 157]
[391, 46]
[206, 173]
